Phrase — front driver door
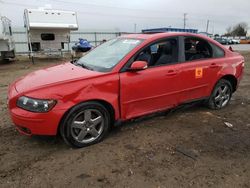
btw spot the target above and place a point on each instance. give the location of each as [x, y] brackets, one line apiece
[153, 89]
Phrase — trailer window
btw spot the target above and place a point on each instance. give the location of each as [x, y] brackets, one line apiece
[36, 46]
[47, 36]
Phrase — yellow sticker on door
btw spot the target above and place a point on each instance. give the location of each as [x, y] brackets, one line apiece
[198, 72]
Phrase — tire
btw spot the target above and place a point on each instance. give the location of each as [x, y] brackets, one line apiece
[85, 124]
[221, 95]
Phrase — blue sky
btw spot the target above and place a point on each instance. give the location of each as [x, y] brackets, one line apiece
[122, 15]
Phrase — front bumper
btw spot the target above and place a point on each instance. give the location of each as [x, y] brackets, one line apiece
[30, 123]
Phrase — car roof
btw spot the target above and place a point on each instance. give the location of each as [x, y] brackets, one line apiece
[155, 36]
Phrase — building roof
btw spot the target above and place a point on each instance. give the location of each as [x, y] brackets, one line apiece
[161, 35]
[169, 29]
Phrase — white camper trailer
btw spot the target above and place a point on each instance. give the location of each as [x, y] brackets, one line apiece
[7, 46]
[48, 30]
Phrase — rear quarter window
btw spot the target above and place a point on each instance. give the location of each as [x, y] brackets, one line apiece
[217, 51]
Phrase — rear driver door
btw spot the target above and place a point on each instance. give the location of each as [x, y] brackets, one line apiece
[199, 75]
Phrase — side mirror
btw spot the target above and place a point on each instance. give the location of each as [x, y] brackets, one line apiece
[138, 65]
[231, 49]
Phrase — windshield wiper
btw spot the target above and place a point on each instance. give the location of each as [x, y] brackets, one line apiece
[83, 65]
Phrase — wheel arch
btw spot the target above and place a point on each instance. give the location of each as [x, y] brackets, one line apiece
[232, 79]
[106, 104]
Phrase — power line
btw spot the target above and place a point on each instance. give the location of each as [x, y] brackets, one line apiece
[98, 13]
[153, 17]
[103, 14]
[17, 4]
[108, 6]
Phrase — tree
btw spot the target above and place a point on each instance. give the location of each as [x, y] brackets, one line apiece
[229, 31]
[239, 29]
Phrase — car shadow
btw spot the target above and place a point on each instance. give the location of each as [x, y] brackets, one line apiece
[57, 141]
[191, 107]
[49, 141]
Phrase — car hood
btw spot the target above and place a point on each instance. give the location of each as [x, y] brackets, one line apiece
[53, 75]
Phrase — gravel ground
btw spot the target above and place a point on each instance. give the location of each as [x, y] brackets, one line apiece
[187, 147]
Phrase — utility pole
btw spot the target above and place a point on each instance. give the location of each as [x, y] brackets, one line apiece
[135, 25]
[213, 29]
[185, 19]
[207, 26]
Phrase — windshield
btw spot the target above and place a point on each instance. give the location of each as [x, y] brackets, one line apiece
[104, 57]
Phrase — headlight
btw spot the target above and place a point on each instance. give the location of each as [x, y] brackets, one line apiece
[35, 105]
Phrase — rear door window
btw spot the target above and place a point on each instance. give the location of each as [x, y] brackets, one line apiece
[196, 49]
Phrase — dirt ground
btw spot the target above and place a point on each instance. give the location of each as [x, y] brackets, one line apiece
[188, 147]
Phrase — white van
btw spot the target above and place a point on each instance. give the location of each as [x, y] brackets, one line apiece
[7, 45]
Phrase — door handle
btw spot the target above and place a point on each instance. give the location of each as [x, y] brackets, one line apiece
[213, 65]
[172, 72]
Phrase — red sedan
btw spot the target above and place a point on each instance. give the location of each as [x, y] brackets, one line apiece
[124, 78]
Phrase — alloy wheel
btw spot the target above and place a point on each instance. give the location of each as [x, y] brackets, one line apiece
[222, 96]
[87, 126]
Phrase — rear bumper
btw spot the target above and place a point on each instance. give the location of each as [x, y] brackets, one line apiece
[30, 123]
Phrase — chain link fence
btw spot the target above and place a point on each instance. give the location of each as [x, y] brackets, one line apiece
[95, 38]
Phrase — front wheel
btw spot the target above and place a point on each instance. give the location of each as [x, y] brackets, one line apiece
[85, 124]
[221, 95]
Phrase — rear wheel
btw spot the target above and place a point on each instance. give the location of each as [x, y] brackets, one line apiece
[85, 124]
[221, 95]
